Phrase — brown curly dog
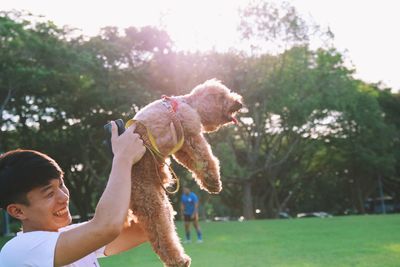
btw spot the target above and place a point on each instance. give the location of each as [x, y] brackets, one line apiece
[175, 125]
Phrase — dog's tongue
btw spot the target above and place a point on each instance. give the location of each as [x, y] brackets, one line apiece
[234, 120]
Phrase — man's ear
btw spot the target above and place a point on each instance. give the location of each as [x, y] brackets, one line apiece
[16, 211]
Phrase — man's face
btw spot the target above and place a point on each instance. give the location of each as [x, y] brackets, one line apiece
[186, 191]
[48, 208]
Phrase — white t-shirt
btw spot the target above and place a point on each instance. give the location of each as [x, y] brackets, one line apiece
[36, 249]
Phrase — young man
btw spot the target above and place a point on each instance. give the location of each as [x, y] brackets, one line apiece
[190, 213]
[32, 190]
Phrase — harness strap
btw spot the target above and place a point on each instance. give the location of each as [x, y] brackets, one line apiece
[150, 143]
[158, 158]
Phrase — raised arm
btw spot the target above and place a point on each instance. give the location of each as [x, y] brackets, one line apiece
[113, 205]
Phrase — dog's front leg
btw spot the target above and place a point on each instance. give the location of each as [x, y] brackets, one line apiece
[196, 155]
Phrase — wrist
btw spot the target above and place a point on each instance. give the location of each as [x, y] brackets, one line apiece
[121, 164]
[121, 160]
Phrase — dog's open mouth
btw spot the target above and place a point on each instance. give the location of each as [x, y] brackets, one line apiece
[233, 110]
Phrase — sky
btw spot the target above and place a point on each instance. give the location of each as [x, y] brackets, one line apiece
[366, 32]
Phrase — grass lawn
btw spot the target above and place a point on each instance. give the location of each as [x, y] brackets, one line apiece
[338, 241]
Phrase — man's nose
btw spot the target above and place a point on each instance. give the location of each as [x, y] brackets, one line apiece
[63, 195]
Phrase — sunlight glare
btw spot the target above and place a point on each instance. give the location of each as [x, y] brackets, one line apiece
[202, 25]
[367, 38]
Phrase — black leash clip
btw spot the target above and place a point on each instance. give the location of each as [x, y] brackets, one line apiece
[121, 129]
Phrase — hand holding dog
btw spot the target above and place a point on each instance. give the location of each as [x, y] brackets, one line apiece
[128, 146]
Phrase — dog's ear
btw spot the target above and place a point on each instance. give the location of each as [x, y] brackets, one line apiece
[201, 89]
[213, 81]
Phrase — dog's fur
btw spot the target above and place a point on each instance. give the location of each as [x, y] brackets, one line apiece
[208, 107]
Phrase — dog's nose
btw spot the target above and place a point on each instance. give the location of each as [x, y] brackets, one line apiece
[237, 105]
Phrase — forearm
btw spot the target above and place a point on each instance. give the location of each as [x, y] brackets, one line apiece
[114, 203]
[130, 237]
[112, 208]
[107, 222]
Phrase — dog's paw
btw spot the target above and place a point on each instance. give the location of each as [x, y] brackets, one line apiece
[213, 187]
[183, 262]
[186, 261]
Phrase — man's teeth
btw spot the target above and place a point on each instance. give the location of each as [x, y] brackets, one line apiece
[62, 212]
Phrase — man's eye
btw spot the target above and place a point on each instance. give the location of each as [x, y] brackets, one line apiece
[50, 194]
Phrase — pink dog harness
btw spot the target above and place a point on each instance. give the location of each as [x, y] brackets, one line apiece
[170, 103]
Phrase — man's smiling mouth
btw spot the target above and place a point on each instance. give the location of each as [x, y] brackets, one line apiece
[61, 212]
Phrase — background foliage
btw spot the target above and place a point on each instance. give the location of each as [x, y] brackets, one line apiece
[312, 137]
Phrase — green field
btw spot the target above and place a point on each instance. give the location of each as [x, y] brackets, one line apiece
[338, 241]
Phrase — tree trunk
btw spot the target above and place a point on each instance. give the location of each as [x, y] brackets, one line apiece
[248, 210]
[270, 205]
[2, 109]
[360, 197]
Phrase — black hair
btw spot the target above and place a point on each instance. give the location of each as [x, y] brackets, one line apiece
[23, 170]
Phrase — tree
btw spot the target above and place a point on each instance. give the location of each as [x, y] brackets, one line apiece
[390, 105]
[58, 92]
[311, 136]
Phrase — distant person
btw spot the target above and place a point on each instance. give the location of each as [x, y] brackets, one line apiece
[32, 190]
[190, 213]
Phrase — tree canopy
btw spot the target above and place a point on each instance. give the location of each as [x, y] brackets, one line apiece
[311, 137]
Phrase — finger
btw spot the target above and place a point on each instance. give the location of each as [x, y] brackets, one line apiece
[114, 130]
[132, 127]
[136, 136]
[142, 151]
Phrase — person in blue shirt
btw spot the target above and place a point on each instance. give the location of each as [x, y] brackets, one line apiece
[190, 213]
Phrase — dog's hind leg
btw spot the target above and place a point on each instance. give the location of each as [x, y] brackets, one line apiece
[196, 155]
[151, 205]
[159, 227]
